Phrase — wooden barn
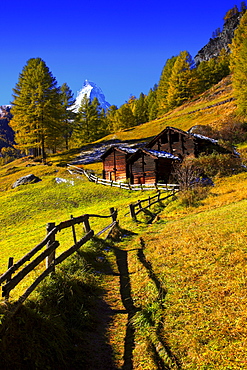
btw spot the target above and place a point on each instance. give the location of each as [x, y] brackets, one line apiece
[182, 143]
[115, 163]
[150, 166]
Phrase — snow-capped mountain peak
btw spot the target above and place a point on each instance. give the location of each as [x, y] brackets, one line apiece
[91, 90]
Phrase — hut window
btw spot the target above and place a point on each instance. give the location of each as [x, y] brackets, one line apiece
[175, 137]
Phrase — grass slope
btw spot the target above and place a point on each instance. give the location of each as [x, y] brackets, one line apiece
[202, 110]
[168, 295]
[199, 257]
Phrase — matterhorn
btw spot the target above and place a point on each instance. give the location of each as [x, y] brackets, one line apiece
[91, 90]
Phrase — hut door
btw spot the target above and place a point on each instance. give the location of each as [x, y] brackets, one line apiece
[141, 179]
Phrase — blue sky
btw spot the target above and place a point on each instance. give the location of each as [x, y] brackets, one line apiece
[121, 46]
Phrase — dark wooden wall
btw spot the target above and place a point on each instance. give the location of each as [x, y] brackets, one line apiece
[175, 143]
[114, 166]
[142, 169]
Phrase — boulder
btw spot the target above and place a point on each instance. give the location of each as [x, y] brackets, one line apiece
[28, 179]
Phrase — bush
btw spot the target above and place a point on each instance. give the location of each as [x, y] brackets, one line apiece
[218, 164]
[193, 197]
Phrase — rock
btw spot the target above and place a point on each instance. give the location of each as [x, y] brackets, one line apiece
[28, 179]
[215, 45]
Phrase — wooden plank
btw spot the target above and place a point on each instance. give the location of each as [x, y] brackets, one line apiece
[87, 225]
[74, 248]
[28, 256]
[18, 277]
[106, 228]
[132, 211]
[10, 263]
[51, 256]
[73, 230]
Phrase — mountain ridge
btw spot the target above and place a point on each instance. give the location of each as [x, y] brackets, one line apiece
[91, 90]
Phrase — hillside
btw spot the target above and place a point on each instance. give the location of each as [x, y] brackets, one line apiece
[213, 107]
[166, 295]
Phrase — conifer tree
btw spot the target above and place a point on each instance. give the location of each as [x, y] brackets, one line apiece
[89, 121]
[68, 116]
[141, 110]
[181, 85]
[36, 108]
[151, 102]
[163, 86]
[212, 71]
[238, 65]
[243, 6]
[112, 118]
[126, 117]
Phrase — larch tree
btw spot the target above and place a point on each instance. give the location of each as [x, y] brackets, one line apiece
[68, 116]
[125, 116]
[238, 65]
[36, 108]
[112, 118]
[141, 110]
[182, 84]
[90, 121]
[151, 102]
[163, 86]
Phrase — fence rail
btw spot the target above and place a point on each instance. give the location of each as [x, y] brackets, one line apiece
[122, 185]
[150, 201]
[48, 254]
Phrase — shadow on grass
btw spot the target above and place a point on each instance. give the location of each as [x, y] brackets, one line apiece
[140, 254]
[38, 340]
[65, 327]
[160, 363]
[125, 291]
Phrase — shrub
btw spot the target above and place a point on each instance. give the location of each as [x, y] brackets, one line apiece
[218, 164]
[193, 197]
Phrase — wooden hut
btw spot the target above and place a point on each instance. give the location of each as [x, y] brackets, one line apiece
[150, 166]
[182, 143]
[115, 163]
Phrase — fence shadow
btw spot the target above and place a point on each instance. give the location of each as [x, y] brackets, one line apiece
[125, 291]
[39, 336]
[140, 254]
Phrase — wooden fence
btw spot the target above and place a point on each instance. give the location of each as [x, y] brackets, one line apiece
[121, 185]
[149, 202]
[48, 253]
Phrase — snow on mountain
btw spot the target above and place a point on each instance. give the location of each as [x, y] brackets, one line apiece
[91, 90]
[4, 109]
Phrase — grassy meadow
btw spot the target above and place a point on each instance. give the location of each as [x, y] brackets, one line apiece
[167, 295]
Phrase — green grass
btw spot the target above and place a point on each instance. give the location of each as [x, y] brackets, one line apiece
[199, 257]
[187, 270]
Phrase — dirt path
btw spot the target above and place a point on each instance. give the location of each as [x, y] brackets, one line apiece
[118, 297]
[130, 350]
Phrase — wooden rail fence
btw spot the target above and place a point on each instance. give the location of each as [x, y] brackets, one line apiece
[149, 202]
[48, 253]
[122, 185]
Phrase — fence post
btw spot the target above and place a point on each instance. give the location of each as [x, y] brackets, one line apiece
[158, 195]
[113, 215]
[139, 204]
[73, 231]
[10, 263]
[87, 227]
[149, 201]
[132, 212]
[51, 257]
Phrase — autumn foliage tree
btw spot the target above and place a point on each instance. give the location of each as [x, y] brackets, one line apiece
[36, 108]
[239, 65]
[68, 115]
[180, 87]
